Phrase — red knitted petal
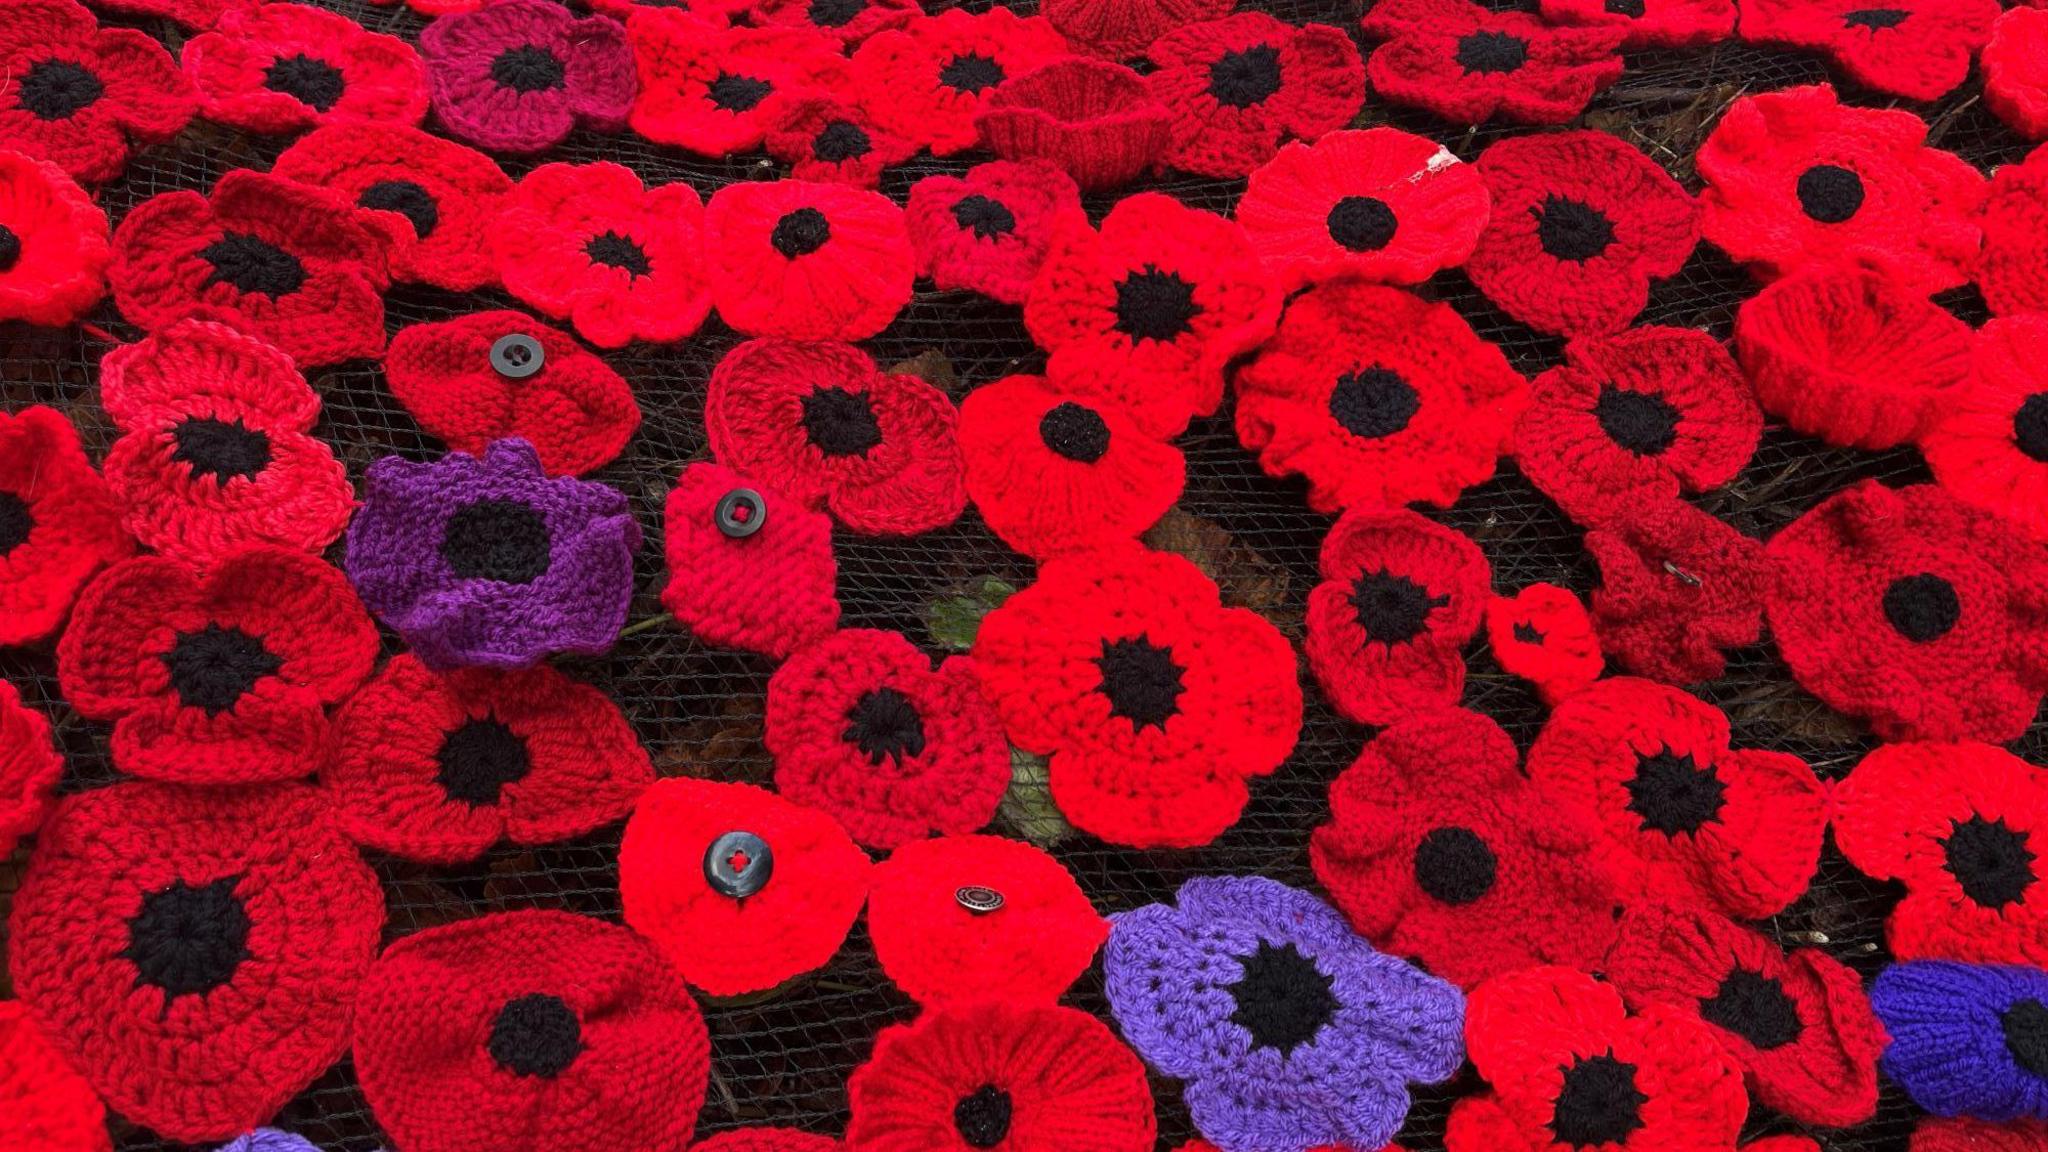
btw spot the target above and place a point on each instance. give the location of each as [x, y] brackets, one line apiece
[60, 272]
[29, 769]
[1988, 447]
[1919, 49]
[706, 87]
[926, 82]
[1094, 120]
[1118, 29]
[824, 138]
[767, 1140]
[1544, 636]
[2015, 221]
[1469, 65]
[770, 590]
[1678, 588]
[2015, 65]
[1962, 1134]
[50, 1108]
[278, 68]
[142, 98]
[1239, 86]
[1651, 23]
[988, 231]
[57, 519]
[807, 261]
[848, 21]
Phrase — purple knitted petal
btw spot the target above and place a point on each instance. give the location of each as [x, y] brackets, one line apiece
[1963, 1035]
[269, 1140]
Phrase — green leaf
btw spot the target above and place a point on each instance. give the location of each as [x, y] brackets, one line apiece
[954, 620]
[1027, 808]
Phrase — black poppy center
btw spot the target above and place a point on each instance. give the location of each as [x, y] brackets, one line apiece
[884, 724]
[1155, 305]
[1247, 77]
[987, 218]
[1283, 999]
[1454, 865]
[1492, 52]
[253, 265]
[407, 199]
[1373, 403]
[1990, 861]
[1643, 423]
[189, 940]
[841, 141]
[58, 90]
[1633, 9]
[1830, 193]
[1572, 230]
[971, 73]
[1875, 18]
[983, 1117]
[1923, 607]
[501, 540]
[16, 522]
[1756, 1008]
[215, 666]
[616, 251]
[1075, 432]
[1392, 609]
[2030, 427]
[1361, 223]
[478, 759]
[801, 232]
[1527, 633]
[220, 449]
[528, 68]
[10, 248]
[1673, 794]
[536, 1035]
[2026, 1035]
[738, 93]
[835, 13]
[840, 423]
[1141, 680]
[305, 79]
[1599, 1103]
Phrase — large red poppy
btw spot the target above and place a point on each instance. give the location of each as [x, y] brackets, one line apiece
[1919, 49]
[1239, 86]
[29, 769]
[1678, 588]
[1467, 64]
[1990, 444]
[706, 87]
[807, 261]
[825, 138]
[279, 68]
[48, 1106]
[763, 580]
[81, 96]
[58, 523]
[926, 81]
[53, 244]
[1650, 23]
[1544, 635]
[988, 231]
[2015, 64]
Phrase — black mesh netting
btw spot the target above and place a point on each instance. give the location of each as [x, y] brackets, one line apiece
[785, 1060]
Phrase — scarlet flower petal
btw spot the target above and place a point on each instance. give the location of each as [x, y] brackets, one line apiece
[807, 261]
[2015, 221]
[29, 769]
[1469, 65]
[59, 237]
[767, 1140]
[2015, 65]
[1964, 1134]
[988, 231]
[770, 589]
[58, 523]
[824, 138]
[926, 81]
[1988, 445]
[52, 48]
[1678, 589]
[1544, 636]
[1651, 23]
[1919, 49]
[707, 87]
[50, 1108]
[849, 21]
[1241, 85]
[278, 68]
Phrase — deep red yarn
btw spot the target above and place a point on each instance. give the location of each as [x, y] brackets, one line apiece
[1094, 120]
[29, 769]
[2015, 65]
[280, 68]
[807, 261]
[825, 138]
[69, 527]
[706, 87]
[988, 231]
[1990, 446]
[926, 81]
[1240, 85]
[1678, 589]
[1469, 65]
[769, 591]
[1119, 29]
[848, 21]
[1919, 49]
[1543, 635]
[1651, 23]
[48, 1107]
[60, 269]
[2013, 269]
[143, 98]
[1963, 1134]
[767, 1140]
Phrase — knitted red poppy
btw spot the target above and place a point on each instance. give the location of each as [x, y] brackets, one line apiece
[53, 244]
[1001, 1074]
[768, 1140]
[1468, 65]
[1543, 635]
[1378, 397]
[862, 727]
[1795, 177]
[703, 86]
[1051, 472]
[1913, 611]
[29, 769]
[1156, 704]
[58, 523]
[1581, 223]
[195, 952]
[589, 244]
[1650, 23]
[819, 423]
[1919, 49]
[1965, 1134]
[1439, 849]
[1636, 417]
[988, 231]
[1568, 1065]
[1119, 29]
[274, 258]
[822, 137]
[2013, 269]
[1239, 85]
[48, 1107]
[218, 675]
[81, 96]
[926, 81]
[279, 68]
[1678, 588]
[1798, 1023]
[2015, 65]
[1682, 817]
[807, 261]
[761, 579]
[964, 917]
[848, 21]
[1990, 445]
[547, 1028]
[1401, 597]
[1094, 120]
[740, 888]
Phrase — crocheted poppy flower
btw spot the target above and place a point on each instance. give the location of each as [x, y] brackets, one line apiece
[1377, 397]
[848, 21]
[1967, 1039]
[269, 1140]
[822, 137]
[861, 726]
[194, 952]
[2015, 64]
[519, 75]
[747, 567]
[1796, 177]
[1468, 65]
[926, 81]
[820, 424]
[1001, 1074]
[49, 1107]
[767, 1140]
[81, 96]
[1650, 23]
[1382, 205]
[1634, 418]
[589, 244]
[1908, 609]
[58, 523]
[1989, 446]
[988, 231]
[487, 561]
[218, 675]
[740, 888]
[29, 769]
[1439, 849]
[569, 1031]
[1094, 120]
[1682, 817]
[1962, 1134]
[704, 87]
[1919, 49]
[1156, 704]
[1543, 635]
[1678, 588]
[53, 243]
[1567, 1065]
[279, 260]
[1581, 223]
[1119, 29]
[807, 261]
[1052, 473]
[1286, 1029]
[952, 918]
[1239, 85]
[2013, 268]
[279, 68]
[1401, 596]
[1148, 311]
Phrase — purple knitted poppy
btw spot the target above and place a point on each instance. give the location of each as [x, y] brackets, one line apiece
[1967, 1039]
[1290, 1031]
[269, 1140]
[517, 75]
[489, 562]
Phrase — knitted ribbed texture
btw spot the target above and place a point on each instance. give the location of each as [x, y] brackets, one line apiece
[1094, 120]
[1241, 84]
[1967, 1039]
[770, 590]
[1921, 55]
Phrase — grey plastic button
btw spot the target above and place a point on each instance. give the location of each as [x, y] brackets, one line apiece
[741, 512]
[977, 899]
[738, 864]
[517, 356]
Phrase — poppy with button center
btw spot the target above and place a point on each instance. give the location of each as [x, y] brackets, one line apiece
[58, 523]
[1241, 85]
[807, 261]
[1919, 49]
[1678, 589]
[281, 68]
[82, 97]
[1990, 445]
[29, 769]
[825, 138]
[1469, 65]
[1650, 23]
[988, 231]
[847, 21]
[49, 1107]
[708, 87]
[1967, 1039]
[1543, 635]
[926, 81]
[519, 75]
[770, 590]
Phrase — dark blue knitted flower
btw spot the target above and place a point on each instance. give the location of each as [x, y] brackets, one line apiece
[1967, 1039]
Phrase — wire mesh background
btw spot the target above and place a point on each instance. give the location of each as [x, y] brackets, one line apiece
[784, 1059]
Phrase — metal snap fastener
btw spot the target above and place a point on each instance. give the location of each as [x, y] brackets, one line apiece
[738, 865]
[741, 512]
[517, 356]
[977, 899]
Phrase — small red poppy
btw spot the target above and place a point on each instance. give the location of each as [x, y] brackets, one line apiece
[1001, 1074]
[704, 86]
[29, 769]
[1911, 610]
[53, 244]
[1120, 29]
[81, 96]
[48, 1106]
[1239, 85]
[2013, 268]
[1439, 849]
[1148, 311]
[768, 588]
[1919, 49]
[740, 889]
[1638, 416]
[195, 952]
[1796, 176]
[768, 1140]
[848, 21]
[807, 261]
[1156, 704]
[1543, 635]
[280, 68]
[58, 523]
[1052, 473]
[568, 1031]
[1965, 1134]
[1468, 65]
[1683, 817]
[1990, 445]
[1581, 223]
[276, 259]
[1678, 588]
[218, 675]
[988, 231]
[1378, 397]
[926, 81]
[819, 423]
[2015, 65]
[1401, 597]
[1650, 23]
[1094, 120]
[824, 138]
[1798, 1023]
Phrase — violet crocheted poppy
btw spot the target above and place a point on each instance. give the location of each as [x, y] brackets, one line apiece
[489, 562]
[2013, 268]
[1287, 1029]
[926, 81]
[988, 231]
[1650, 23]
[1094, 120]
[519, 75]
[2015, 65]
[58, 523]
[1990, 445]
[807, 261]
[706, 87]
[1468, 64]
[53, 244]
[282, 68]
[1240, 85]
[1919, 49]
[80, 96]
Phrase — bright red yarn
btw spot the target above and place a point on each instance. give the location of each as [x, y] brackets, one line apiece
[801, 260]
[706, 87]
[771, 591]
[926, 81]
[74, 525]
[1543, 635]
[1556, 73]
[1963, 1134]
[1094, 120]
[2013, 268]
[1678, 588]
[767, 1140]
[1919, 49]
[143, 99]
[988, 231]
[1226, 130]
[29, 769]
[45, 1106]
[1988, 447]
[61, 272]
[341, 72]
[1652, 23]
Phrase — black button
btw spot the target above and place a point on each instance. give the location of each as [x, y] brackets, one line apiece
[740, 513]
[738, 865]
[977, 899]
[517, 356]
